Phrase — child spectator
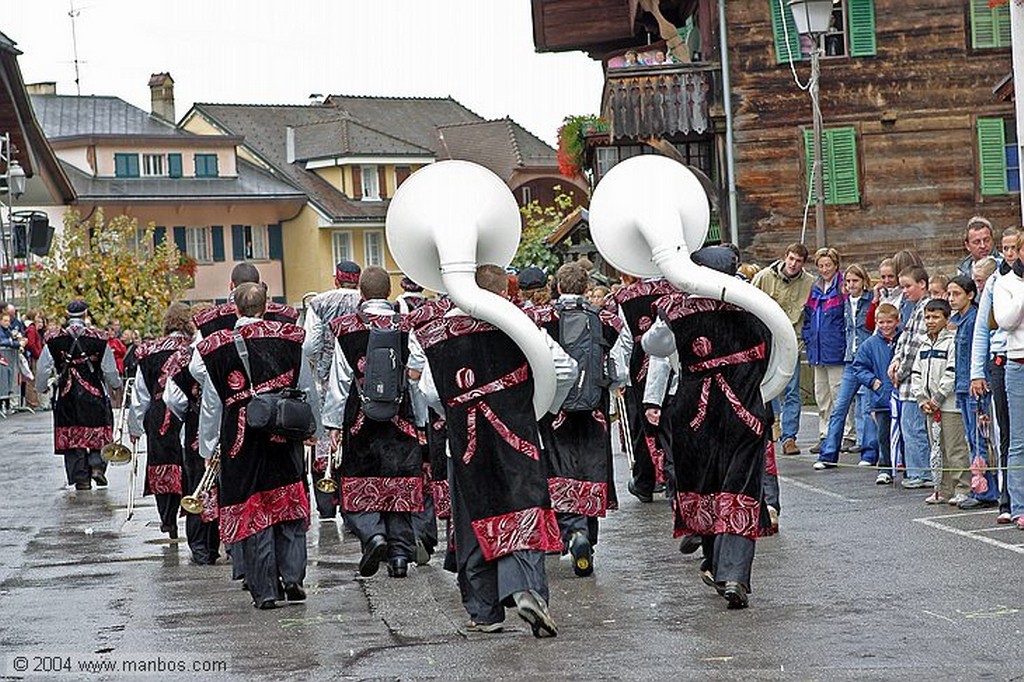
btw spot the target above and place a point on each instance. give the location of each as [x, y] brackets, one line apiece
[933, 382]
[937, 286]
[962, 294]
[871, 369]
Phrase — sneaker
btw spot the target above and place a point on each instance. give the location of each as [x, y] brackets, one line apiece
[1004, 518]
[99, 477]
[821, 466]
[582, 554]
[883, 479]
[534, 610]
[815, 449]
[488, 628]
[957, 499]
[789, 447]
[1020, 522]
[864, 463]
[935, 499]
[912, 483]
[773, 515]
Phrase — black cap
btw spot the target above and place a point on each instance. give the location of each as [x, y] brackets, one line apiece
[532, 278]
[77, 308]
[346, 272]
[721, 258]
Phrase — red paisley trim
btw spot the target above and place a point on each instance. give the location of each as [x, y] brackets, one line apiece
[210, 314]
[83, 331]
[171, 343]
[573, 496]
[351, 322]
[262, 510]
[443, 328]
[678, 305]
[279, 312]
[177, 362]
[428, 311]
[717, 514]
[236, 447]
[73, 372]
[382, 493]
[442, 499]
[533, 528]
[771, 465]
[542, 314]
[81, 437]
[737, 358]
[210, 510]
[273, 384]
[262, 329]
[657, 458]
[163, 479]
[611, 319]
[658, 287]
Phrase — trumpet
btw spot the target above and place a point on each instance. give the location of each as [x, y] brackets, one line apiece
[117, 452]
[327, 484]
[193, 503]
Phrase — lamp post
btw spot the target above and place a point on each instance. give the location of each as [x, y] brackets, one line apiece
[812, 18]
[14, 186]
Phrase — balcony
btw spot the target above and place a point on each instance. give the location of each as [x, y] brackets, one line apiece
[660, 101]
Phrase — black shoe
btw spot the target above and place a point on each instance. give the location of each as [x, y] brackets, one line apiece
[245, 586]
[736, 595]
[83, 485]
[582, 554]
[294, 592]
[690, 544]
[266, 605]
[398, 567]
[815, 449]
[643, 497]
[374, 552]
[100, 478]
[975, 503]
[534, 611]
[423, 554]
[658, 488]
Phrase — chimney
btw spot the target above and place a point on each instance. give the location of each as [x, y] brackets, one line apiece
[161, 87]
[45, 88]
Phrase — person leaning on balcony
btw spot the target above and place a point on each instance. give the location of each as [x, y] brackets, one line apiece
[786, 282]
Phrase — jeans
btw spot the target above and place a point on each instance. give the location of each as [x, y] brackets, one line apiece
[1015, 460]
[790, 407]
[976, 442]
[837, 421]
[916, 446]
[882, 419]
[867, 430]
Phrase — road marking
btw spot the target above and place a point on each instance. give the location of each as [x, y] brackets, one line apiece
[932, 523]
[810, 488]
[939, 615]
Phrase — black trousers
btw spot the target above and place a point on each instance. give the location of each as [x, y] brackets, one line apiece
[167, 507]
[203, 539]
[729, 558]
[644, 475]
[272, 556]
[79, 463]
[487, 587]
[577, 523]
[424, 523]
[326, 503]
[395, 526]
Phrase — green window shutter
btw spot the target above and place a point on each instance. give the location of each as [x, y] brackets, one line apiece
[174, 165]
[782, 21]
[126, 165]
[217, 237]
[275, 242]
[862, 28]
[992, 156]
[844, 185]
[826, 180]
[990, 26]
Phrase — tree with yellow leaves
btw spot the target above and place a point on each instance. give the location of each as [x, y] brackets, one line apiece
[115, 268]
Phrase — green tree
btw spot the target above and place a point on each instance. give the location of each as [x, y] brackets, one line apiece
[538, 223]
[114, 267]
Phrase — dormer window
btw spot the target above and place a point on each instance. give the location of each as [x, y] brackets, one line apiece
[206, 165]
[153, 165]
[371, 188]
[126, 165]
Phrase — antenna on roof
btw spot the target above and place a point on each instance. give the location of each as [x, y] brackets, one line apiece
[316, 98]
[74, 44]
[440, 135]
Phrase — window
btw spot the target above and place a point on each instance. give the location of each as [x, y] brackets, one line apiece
[174, 165]
[341, 246]
[851, 31]
[206, 165]
[371, 189]
[998, 156]
[197, 244]
[698, 155]
[373, 245]
[839, 164]
[255, 242]
[126, 165]
[990, 26]
[607, 157]
[527, 196]
[152, 164]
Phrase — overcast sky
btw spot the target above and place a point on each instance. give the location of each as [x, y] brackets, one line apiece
[279, 52]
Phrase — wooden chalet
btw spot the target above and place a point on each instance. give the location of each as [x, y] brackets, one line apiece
[917, 139]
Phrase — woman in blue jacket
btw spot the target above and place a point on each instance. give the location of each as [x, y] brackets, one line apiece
[824, 336]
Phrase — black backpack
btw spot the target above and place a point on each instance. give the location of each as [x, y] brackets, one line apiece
[384, 376]
[581, 335]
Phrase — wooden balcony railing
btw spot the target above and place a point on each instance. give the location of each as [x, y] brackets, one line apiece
[660, 101]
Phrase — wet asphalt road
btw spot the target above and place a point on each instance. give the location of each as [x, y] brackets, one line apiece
[864, 582]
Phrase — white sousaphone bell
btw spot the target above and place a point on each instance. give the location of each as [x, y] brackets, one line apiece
[647, 215]
[445, 220]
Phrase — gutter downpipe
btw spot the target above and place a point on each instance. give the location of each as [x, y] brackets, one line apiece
[730, 160]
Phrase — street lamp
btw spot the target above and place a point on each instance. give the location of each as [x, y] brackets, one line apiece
[812, 18]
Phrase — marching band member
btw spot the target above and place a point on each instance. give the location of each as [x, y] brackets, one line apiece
[319, 349]
[577, 439]
[411, 297]
[480, 379]
[381, 464]
[149, 414]
[82, 419]
[264, 505]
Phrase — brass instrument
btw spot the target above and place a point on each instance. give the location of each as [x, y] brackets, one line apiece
[327, 484]
[193, 503]
[117, 452]
[627, 434]
[133, 457]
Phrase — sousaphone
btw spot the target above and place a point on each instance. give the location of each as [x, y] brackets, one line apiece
[445, 220]
[647, 215]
